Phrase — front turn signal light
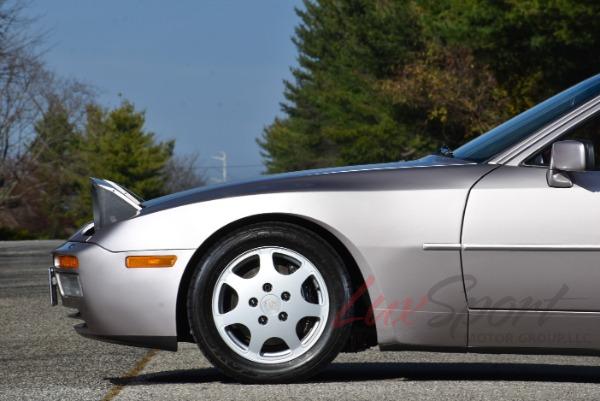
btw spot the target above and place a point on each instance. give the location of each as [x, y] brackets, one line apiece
[66, 262]
[150, 261]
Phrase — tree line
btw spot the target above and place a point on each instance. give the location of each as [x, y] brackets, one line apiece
[54, 135]
[386, 80]
[375, 81]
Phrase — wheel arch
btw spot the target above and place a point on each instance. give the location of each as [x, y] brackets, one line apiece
[363, 336]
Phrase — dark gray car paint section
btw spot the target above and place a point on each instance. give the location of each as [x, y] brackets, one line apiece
[374, 177]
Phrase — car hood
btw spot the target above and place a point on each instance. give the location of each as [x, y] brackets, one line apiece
[360, 177]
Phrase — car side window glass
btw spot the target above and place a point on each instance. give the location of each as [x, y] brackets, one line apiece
[588, 132]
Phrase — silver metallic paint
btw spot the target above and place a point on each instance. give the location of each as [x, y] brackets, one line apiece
[125, 302]
[403, 225]
[400, 209]
[270, 305]
[568, 156]
[522, 238]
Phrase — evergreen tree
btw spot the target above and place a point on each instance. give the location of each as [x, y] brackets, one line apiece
[534, 47]
[58, 165]
[119, 149]
[335, 110]
[112, 144]
[387, 80]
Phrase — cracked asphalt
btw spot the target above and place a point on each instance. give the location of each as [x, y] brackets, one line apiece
[42, 358]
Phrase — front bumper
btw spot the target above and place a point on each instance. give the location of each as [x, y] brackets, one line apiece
[117, 304]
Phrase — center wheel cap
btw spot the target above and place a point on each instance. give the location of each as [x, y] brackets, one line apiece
[270, 305]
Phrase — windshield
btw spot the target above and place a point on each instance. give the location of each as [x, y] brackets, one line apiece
[518, 128]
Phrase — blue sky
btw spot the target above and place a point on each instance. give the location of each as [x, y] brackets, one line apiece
[208, 73]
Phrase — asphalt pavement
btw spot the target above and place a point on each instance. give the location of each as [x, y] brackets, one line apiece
[42, 358]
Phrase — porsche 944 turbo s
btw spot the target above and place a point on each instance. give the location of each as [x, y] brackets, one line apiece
[493, 246]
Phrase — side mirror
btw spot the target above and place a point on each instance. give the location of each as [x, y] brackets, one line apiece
[566, 156]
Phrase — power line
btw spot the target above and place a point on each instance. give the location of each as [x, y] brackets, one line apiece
[232, 166]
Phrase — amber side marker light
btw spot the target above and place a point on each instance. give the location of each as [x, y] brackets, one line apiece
[150, 261]
[66, 261]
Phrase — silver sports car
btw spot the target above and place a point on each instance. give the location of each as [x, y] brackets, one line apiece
[491, 247]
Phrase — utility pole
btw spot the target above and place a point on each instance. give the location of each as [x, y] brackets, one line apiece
[222, 157]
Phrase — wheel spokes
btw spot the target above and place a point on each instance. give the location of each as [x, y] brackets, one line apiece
[236, 282]
[297, 278]
[257, 340]
[304, 309]
[267, 266]
[290, 337]
[270, 304]
[235, 316]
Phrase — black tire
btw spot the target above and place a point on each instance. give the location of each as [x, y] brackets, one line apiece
[208, 270]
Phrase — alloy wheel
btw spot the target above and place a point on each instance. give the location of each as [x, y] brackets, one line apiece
[270, 305]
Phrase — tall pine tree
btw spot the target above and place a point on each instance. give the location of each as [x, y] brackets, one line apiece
[335, 112]
[119, 149]
[383, 80]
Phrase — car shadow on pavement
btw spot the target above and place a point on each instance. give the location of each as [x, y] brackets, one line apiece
[417, 371]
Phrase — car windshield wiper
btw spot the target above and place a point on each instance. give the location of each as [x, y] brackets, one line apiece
[446, 151]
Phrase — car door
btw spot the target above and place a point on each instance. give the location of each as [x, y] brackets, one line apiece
[529, 246]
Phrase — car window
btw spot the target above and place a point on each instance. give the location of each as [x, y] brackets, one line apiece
[587, 132]
[518, 128]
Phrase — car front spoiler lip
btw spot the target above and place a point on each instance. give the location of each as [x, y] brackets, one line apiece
[167, 343]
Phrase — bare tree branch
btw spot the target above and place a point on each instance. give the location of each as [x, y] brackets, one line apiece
[27, 90]
[182, 173]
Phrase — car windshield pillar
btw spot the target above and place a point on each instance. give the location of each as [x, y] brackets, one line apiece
[527, 123]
